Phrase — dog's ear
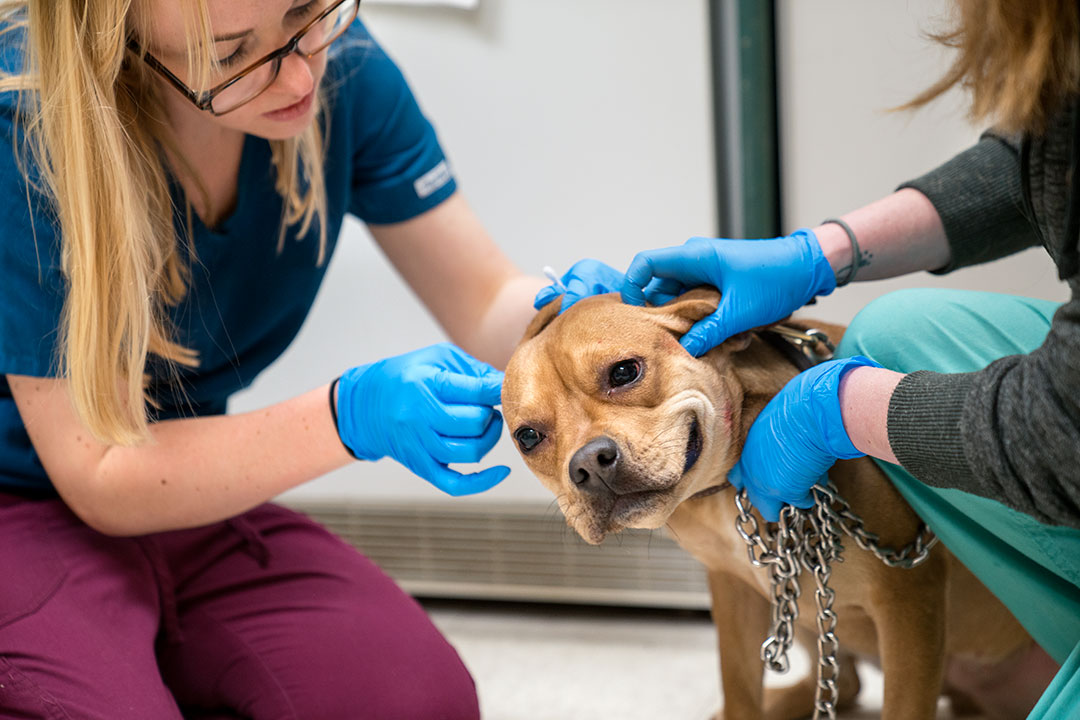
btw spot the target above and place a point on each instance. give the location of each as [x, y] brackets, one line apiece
[680, 314]
[738, 342]
[543, 318]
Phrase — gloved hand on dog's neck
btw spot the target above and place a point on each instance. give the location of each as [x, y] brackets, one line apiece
[796, 439]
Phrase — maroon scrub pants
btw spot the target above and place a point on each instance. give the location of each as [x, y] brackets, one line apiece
[264, 616]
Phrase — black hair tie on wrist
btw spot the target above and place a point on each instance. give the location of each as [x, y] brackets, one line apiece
[854, 250]
[333, 414]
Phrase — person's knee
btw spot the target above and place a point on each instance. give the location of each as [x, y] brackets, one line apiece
[405, 671]
[890, 327]
[442, 689]
[433, 684]
[38, 691]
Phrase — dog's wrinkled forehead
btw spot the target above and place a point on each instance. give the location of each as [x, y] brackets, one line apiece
[576, 350]
[603, 324]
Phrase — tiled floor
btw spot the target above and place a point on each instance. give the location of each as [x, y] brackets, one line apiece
[569, 663]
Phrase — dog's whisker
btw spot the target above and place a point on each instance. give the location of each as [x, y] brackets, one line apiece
[665, 443]
[672, 531]
[657, 435]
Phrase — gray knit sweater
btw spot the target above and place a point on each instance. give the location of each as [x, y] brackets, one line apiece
[1012, 430]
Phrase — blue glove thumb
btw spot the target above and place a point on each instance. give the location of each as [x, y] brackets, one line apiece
[760, 281]
[711, 330]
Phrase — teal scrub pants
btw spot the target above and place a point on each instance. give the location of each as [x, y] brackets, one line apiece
[1034, 569]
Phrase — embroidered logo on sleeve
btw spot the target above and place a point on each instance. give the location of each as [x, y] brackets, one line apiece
[432, 180]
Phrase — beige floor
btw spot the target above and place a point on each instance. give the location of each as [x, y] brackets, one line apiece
[562, 663]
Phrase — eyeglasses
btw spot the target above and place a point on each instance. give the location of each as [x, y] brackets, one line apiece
[249, 83]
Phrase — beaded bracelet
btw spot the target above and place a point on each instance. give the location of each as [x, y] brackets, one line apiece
[854, 250]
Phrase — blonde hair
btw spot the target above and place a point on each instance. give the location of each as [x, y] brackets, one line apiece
[95, 128]
[1020, 59]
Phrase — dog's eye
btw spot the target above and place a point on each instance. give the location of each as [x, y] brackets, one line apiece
[624, 372]
[527, 438]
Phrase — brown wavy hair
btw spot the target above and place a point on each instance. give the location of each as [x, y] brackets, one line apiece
[1019, 59]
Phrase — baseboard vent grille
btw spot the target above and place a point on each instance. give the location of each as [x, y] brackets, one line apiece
[518, 551]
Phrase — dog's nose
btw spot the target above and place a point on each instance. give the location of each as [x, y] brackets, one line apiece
[595, 463]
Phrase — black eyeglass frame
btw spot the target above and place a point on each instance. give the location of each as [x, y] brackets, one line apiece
[204, 100]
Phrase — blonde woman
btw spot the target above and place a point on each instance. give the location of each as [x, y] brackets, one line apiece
[971, 401]
[174, 176]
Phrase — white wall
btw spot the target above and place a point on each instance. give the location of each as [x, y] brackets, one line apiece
[582, 128]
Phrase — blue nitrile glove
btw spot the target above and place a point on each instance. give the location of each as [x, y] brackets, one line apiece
[425, 409]
[760, 281]
[584, 278]
[796, 439]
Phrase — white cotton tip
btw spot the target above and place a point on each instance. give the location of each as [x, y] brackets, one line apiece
[553, 277]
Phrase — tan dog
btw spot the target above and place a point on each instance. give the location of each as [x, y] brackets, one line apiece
[628, 430]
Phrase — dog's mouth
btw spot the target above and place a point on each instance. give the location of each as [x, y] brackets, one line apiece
[630, 507]
[693, 446]
[633, 507]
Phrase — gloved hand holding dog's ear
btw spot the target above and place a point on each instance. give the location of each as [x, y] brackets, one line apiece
[796, 439]
[584, 278]
[760, 281]
[425, 409]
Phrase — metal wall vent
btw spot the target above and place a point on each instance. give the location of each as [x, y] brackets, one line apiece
[522, 552]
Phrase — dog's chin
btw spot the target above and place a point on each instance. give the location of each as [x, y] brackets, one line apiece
[645, 509]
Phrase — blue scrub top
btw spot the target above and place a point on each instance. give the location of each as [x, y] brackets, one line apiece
[246, 300]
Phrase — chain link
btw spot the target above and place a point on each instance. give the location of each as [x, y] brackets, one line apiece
[810, 540]
[907, 557]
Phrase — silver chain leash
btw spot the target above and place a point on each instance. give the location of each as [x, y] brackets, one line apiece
[810, 540]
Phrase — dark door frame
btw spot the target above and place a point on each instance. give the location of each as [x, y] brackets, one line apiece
[746, 140]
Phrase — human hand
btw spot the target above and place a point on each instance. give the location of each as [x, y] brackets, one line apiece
[425, 409]
[584, 278]
[796, 439]
[760, 281]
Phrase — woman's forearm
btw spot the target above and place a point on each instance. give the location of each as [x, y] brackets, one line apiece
[864, 405]
[899, 234]
[503, 325]
[200, 470]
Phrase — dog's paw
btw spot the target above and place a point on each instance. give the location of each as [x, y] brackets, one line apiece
[797, 701]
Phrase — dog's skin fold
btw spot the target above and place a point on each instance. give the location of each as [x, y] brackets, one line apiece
[628, 430]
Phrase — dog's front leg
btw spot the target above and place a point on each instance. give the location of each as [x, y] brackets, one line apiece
[910, 623]
[741, 616]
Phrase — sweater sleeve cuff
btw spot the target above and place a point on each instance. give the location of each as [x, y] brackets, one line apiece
[924, 421]
[979, 198]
